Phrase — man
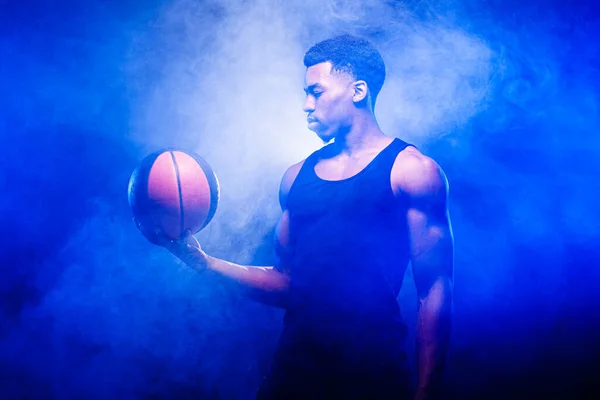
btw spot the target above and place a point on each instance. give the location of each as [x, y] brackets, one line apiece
[354, 214]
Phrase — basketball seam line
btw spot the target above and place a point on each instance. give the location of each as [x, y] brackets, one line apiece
[181, 216]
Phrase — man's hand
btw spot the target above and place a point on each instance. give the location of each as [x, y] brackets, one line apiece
[267, 284]
[187, 249]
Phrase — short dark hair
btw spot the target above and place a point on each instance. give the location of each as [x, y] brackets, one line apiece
[353, 55]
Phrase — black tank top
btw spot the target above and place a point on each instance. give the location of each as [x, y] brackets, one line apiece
[349, 249]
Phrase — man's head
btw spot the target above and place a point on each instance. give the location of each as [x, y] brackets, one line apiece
[344, 75]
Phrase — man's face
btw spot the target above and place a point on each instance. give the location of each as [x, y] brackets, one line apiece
[329, 103]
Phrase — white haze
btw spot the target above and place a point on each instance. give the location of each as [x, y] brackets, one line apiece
[230, 88]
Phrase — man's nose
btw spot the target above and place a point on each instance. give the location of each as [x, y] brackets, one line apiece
[309, 105]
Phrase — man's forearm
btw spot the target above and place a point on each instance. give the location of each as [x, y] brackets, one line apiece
[433, 336]
[253, 277]
[263, 284]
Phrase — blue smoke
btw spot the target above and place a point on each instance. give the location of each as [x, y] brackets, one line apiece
[508, 107]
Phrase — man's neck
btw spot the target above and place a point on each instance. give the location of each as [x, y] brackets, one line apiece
[364, 133]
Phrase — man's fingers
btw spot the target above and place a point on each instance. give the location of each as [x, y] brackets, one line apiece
[156, 236]
[195, 242]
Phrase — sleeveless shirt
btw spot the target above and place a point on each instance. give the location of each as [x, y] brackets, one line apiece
[348, 253]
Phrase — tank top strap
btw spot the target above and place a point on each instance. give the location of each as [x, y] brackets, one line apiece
[305, 176]
[389, 154]
[384, 161]
[307, 169]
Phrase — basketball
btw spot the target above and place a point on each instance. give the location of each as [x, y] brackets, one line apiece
[173, 192]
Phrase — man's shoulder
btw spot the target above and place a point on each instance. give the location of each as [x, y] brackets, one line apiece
[289, 176]
[291, 173]
[411, 160]
[416, 174]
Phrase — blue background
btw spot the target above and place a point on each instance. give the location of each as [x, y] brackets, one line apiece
[90, 310]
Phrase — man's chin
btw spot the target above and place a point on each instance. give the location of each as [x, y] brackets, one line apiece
[326, 138]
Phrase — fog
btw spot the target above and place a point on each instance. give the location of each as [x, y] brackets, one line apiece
[502, 96]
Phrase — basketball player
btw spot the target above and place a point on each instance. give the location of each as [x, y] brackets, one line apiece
[355, 213]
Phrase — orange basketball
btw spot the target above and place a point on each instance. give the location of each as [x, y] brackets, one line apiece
[173, 191]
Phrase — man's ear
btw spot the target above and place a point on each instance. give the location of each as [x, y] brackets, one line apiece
[360, 91]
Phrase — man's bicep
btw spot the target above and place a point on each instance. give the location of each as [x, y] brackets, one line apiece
[425, 187]
[430, 230]
[282, 240]
[431, 247]
[282, 243]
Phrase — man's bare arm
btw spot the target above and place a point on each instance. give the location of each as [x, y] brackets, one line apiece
[267, 284]
[432, 259]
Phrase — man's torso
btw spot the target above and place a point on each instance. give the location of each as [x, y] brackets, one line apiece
[348, 255]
